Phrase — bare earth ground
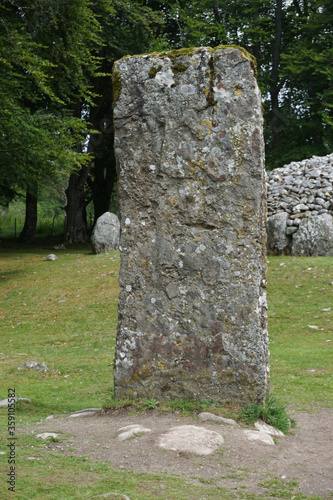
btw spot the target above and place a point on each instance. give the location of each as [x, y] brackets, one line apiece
[304, 455]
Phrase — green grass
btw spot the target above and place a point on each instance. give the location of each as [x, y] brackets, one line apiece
[64, 313]
[299, 291]
[272, 412]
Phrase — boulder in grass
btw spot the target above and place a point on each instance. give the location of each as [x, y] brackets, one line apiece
[278, 241]
[7, 401]
[314, 236]
[106, 233]
[51, 257]
[35, 365]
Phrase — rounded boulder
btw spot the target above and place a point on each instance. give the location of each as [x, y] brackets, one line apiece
[106, 233]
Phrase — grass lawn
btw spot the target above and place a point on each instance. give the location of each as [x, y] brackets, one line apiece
[300, 325]
[64, 313]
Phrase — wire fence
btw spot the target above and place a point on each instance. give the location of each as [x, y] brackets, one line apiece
[47, 227]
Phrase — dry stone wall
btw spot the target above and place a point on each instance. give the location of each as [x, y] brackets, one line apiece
[300, 208]
[192, 305]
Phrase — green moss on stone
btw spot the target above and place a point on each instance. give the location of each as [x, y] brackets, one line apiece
[211, 101]
[172, 54]
[116, 83]
[250, 57]
[153, 71]
[178, 68]
[188, 51]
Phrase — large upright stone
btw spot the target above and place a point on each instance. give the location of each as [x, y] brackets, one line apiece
[192, 305]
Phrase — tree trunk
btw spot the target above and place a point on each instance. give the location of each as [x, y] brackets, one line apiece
[102, 192]
[30, 224]
[276, 119]
[103, 172]
[102, 185]
[76, 216]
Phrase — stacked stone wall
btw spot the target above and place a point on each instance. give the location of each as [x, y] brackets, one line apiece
[300, 208]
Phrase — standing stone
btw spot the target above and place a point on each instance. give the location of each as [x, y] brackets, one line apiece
[192, 305]
[105, 236]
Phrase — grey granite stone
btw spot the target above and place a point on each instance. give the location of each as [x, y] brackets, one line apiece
[314, 236]
[278, 241]
[191, 439]
[192, 303]
[105, 236]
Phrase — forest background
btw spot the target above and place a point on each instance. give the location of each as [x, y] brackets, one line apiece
[56, 117]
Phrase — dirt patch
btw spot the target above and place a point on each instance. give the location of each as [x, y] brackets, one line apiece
[305, 455]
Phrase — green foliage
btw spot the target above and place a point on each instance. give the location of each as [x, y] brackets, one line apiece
[48, 57]
[301, 124]
[251, 413]
[306, 63]
[151, 404]
[272, 412]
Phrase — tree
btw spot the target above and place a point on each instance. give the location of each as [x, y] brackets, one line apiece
[45, 74]
[129, 29]
[307, 68]
[34, 125]
[56, 91]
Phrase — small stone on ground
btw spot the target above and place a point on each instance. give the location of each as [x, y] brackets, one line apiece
[192, 439]
[269, 429]
[4, 402]
[204, 416]
[84, 413]
[51, 257]
[130, 431]
[34, 365]
[46, 435]
[259, 436]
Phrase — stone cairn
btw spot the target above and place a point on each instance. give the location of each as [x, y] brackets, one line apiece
[192, 200]
[300, 208]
